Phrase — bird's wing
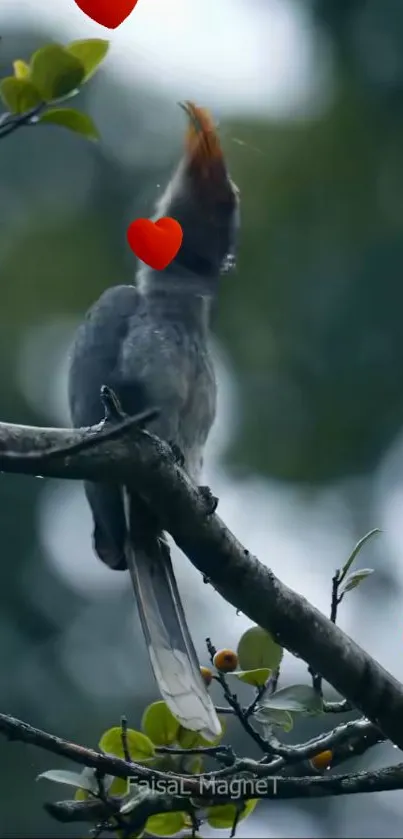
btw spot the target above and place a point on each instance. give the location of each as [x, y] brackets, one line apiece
[130, 538]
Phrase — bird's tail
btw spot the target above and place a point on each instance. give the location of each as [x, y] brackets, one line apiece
[171, 650]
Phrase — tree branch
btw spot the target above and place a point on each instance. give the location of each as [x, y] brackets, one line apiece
[381, 780]
[146, 464]
[165, 792]
[347, 739]
[240, 713]
[95, 810]
[11, 122]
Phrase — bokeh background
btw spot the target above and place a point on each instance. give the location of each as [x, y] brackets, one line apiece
[307, 451]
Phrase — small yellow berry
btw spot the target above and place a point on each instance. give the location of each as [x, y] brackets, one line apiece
[322, 760]
[226, 661]
[207, 675]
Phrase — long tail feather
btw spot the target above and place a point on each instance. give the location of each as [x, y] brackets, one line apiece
[172, 653]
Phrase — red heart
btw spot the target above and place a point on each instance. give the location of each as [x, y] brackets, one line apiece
[109, 13]
[157, 243]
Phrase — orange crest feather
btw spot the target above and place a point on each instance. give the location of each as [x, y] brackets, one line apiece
[202, 142]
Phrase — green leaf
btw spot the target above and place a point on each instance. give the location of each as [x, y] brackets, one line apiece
[140, 747]
[21, 69]
[188, 739]
[257, 649]
[356, 551]
[90, 52]
[194, 766]
[81, 795]
[223, 815]
[297, 699]
[19, 95]
[355, 578]
[252, 677]
[73, 120]
[55, 72]
[193, 740]
[119, 787]
[159, 724]
[166, 824]
[207, 743]
[272, 717]
[73, 779]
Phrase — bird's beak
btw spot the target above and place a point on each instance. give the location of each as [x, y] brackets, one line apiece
[205, 160]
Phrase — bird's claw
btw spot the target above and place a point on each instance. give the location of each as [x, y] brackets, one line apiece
[179, 457]
[112, 407]
[210, 500]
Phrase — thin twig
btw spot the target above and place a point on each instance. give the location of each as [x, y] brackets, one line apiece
[12, 122]
[268, 688]
[233, 702]
[345, 733]
[335, 596]
[238, 812]
[335, 601]
[249, 710]
[125, 744]
[223, 754]
[341, 707]
[223, 709]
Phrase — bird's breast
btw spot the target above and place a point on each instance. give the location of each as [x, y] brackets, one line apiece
[175, 367]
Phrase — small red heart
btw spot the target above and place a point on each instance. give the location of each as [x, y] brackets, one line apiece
[109, 13]
[155, 243]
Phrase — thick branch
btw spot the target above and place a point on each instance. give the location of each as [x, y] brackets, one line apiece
[144, 462]
[97, 811]
[165, 792]
[106, 764]
[242, 789]
[346, 740]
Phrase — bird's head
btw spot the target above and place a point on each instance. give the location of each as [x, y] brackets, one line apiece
[202, 197]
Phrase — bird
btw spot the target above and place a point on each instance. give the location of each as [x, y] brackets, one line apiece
[149, 342]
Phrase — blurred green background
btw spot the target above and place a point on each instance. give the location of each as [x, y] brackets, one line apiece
[308, 449]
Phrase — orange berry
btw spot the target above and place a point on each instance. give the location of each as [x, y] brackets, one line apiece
[226, 661]
[322, 760]
[207, 675]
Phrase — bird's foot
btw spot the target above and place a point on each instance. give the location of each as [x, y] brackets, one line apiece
[112, 407]
[210, 500]
[178, 455]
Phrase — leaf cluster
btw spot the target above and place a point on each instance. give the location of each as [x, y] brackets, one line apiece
[54, 74]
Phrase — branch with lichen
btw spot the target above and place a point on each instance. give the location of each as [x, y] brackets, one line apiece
[250, 778]
[139, 459]
[121, 450]
[153, 791]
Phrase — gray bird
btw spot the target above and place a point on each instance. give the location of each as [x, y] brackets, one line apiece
[148, 342]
